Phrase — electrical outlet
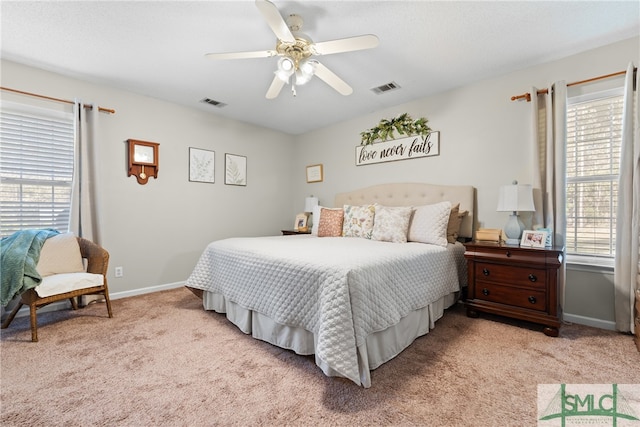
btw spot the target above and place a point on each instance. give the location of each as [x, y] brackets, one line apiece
[119, 272]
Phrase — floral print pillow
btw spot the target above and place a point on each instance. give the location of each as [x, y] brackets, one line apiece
[358, 221]
[391, 224]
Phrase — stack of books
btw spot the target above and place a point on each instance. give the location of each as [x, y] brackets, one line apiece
[488, 235]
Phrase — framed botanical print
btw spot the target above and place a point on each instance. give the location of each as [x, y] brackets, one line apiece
[235, 169]
[202, 165]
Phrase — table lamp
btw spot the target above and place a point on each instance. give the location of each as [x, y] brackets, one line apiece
[309, 205]
[515, 198]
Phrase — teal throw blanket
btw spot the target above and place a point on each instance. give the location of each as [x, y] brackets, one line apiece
[19, 255]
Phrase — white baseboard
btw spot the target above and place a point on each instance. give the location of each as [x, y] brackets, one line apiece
[142, 291]
[589, 321]
[66, 305]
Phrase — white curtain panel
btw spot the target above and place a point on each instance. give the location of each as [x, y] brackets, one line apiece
[548, 153]
[628, 215]
[84, 207]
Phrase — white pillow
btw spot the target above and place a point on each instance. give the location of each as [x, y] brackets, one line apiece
[391, 224]
[60, 254]
[429, 224]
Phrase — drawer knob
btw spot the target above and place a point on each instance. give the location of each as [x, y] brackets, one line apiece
[508, 254]
[485, 271]
[532, 299]
[485, 291]
[532, 277]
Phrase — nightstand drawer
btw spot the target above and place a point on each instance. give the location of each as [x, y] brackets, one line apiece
[512, 255]
[509, 275]
[525, 298]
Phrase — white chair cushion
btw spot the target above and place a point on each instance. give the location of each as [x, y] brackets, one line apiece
[67, 282]
[60, 254]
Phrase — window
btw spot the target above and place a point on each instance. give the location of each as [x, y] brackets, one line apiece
[594, 137]
[36, 169]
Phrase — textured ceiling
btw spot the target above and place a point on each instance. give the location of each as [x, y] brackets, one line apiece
[156, 48]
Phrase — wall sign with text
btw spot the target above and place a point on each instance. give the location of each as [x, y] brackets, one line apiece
[413, 147]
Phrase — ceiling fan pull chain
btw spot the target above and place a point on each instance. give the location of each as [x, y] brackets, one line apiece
[293, 88]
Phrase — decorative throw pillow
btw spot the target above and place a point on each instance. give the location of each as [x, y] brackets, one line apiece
[330, 224]
[453, 228]
[429, 224]
[455, 222]
[391, 224]
[60, 254]
[358, 221]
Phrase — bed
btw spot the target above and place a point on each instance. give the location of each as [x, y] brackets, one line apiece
[354, 302]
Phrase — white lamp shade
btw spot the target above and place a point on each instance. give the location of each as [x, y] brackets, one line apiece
[310, 203]
[516, 198]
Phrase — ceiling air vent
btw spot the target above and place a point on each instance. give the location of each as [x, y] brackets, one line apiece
[213, 102]
[385, 88]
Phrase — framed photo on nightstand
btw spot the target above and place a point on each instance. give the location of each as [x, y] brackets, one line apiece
[533, 239]
[301, 222]
[549, 241]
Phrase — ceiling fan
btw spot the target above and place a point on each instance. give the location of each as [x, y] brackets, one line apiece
[297, 52]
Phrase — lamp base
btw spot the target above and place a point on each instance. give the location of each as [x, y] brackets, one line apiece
[513, 229]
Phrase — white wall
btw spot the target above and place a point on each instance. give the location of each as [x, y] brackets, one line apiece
[157, 231]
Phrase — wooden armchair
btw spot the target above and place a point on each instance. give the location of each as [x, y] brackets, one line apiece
[97, 263]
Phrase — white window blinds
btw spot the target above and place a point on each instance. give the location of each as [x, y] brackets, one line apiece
[36, 170]
[594, 129]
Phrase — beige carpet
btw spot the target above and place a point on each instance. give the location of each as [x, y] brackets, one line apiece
[163, 360]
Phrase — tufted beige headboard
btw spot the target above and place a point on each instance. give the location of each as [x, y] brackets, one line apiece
[415, 194]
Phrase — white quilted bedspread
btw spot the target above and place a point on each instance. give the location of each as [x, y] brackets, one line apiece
[339, 288]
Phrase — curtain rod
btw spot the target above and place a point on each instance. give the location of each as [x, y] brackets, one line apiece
[66, 101]
[527, 95]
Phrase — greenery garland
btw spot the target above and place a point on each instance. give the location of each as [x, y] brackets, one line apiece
[403, 124]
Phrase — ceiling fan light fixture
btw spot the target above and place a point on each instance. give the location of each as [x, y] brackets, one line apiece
[305, 71]
[307, 67]
[302, 79]
[285, 64]
[286, 68]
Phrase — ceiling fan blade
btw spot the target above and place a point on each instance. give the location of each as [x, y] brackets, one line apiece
[332, 80]
[242, 55]
[276, 86]
[278, 25]
[349, 44]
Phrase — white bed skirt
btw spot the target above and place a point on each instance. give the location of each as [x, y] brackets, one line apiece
[378, 348]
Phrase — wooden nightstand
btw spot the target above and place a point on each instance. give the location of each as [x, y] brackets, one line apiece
[515, 281]
[294, 232]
